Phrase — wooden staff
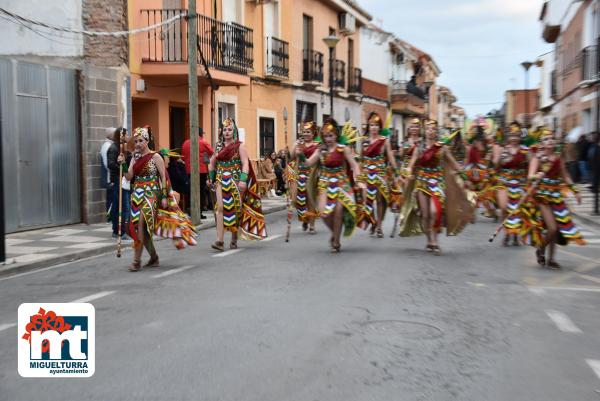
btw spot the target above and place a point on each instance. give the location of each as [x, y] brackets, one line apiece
[121, 140]
[288, 203]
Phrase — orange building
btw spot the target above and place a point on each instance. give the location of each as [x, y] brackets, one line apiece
[267, 58]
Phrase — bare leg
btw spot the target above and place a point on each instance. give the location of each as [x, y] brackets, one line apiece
[338, 216]
[424, 208]
[433, 215]
[381, 207]
[502, 196]
[219, 214]
[551, 232]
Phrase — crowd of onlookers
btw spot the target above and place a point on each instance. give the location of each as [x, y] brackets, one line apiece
[583, 160]
[271, 167]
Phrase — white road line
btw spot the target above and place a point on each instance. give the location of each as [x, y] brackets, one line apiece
[271, 238]
[537, 290]
[93, 297]
[584, 289]
[226, 253]
[595, 365]
[7, 326]
[50, 267]
[173, 271]
[563, 322]
[592, 241]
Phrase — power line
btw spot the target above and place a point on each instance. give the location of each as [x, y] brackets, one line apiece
[92, 33]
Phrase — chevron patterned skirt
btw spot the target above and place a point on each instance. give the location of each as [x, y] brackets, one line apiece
[144, 204]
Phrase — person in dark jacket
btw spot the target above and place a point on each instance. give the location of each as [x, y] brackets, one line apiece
[120, 137]
[582, 158]
[594, 161]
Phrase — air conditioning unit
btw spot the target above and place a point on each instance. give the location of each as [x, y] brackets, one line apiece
[347, 23]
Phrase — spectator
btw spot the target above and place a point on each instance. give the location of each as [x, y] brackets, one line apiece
[594, 161]
[582, 158]
[112, 157]
[177, 174]
[105, 173]
[571, 160]
[278, 169]
[205, 151]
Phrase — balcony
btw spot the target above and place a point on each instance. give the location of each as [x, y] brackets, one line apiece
[355, 81]
[312, 71]
[407, 98]
[278, 58]
[225, 46]
[339, 75]
[589, 64]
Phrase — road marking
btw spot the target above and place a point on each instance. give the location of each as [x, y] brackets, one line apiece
[7, 326]
[93, 297]
[475, 284]
[584, 289]
[593, 241]
[595, 365]
[591, 278]
[50, 267]
[563, 322]
[537, 290]
[578, 256]
[226, 253]
[271, 238]
[173, 271]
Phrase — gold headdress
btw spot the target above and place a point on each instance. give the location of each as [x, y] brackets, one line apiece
[310, 126]
[142, 133]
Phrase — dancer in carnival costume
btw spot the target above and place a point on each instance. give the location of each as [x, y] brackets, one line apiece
[439, 190]
[511, 163]
[152, 203]
[550, 222]
[300, 174]
[238, 206]
[478, 171]
[337, 171]
[376, 158]
[409, 147]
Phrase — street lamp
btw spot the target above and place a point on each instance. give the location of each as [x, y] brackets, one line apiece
[526, 65]
[331, 41]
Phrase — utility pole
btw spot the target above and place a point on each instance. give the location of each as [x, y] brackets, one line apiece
[195, 207]
[2, 225]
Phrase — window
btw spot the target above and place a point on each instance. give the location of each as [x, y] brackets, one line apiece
[267, 136]
[307, 32]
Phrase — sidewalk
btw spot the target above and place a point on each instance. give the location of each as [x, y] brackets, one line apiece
[35, 249]
[584, 212]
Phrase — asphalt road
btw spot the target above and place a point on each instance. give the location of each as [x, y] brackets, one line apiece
[382, 320]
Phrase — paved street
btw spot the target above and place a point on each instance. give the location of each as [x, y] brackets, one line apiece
[383, 320]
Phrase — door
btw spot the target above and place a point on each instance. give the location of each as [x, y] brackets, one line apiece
[177, 126]
[267, 136]
[41, 148]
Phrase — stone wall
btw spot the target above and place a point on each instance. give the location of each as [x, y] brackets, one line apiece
[105, 15]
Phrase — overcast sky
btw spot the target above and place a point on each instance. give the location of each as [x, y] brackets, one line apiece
[478, 44]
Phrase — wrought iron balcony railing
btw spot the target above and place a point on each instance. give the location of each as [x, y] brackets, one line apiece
[406, 87]
[225, 45]
[278, 58]
[355, 80]
[312, 66]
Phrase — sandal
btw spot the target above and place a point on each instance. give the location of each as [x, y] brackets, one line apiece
[233, 243]
[312, 230]
[335, 247]
[136, 266]
[218, 245]
[541, 259]
[379, 233]
[153, 262]
[429, 247]
[552, 264]
[304, 226]
[436, 250]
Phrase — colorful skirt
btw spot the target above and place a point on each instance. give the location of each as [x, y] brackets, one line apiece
[514, 183]
[549, 193]
[481, 178]
[304, 206]
[335, 184]
[376, 181]
[144, 205]
[431, 182]
[174, 224]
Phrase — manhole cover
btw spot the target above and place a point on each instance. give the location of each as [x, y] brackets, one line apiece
[400, 329]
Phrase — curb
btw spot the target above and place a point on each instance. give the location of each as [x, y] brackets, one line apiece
[7, 268]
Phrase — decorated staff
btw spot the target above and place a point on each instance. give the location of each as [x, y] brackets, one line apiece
[238, 206]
